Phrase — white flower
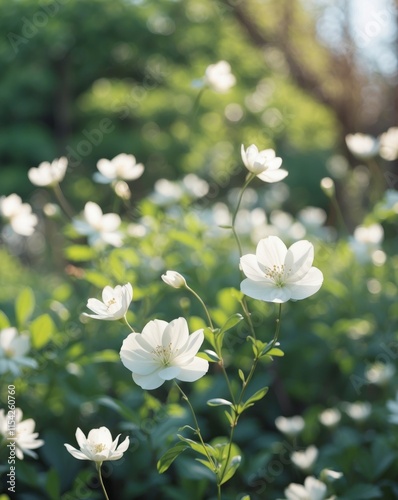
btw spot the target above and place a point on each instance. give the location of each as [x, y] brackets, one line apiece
[264, 164]
[330, 417]
[174, 279]
[276, 274]
[358, 411]
[291, 426]
[305, 459]
[366, 240]
[24, 436]
[312, 217]
[164, 351]
[389, 144]
[362, 146]
[313, 489]
[18, 215]
[98, 227]
[48, 174]
[114, 305]
[13, 350]
[380, 373]
[123, 167]
[219, 77]
[392, 406]
[98, 446]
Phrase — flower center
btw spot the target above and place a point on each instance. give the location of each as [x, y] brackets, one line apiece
[98, 448]
[110, 303]
[164, 353]
[276, 274]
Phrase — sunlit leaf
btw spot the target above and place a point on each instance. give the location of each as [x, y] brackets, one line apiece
[24, 306]
[168, 458]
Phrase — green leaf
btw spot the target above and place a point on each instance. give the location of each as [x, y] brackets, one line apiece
[168, 458]
[42, 329]
[275, 352]
[219, 402]
[105, 356]
[53, 485]
[231, 322]
[230, 418]
[4, 321]
[208, 464]
[209, 355]
[198, 447]
[231, 468]
[79, 253]
[210, 336]
[241, 375]
[24, 306]
[362, 491]
[95, 278]
[256, 397]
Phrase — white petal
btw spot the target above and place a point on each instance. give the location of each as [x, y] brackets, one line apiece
[106, 168]
[92, 213]
[110, 222]
[80, 437]
[176, 333]
[194, 370]
[271, 251]
[298, 261]
[124, 445]
[267, 292]
[273, 175]
[251, 269]
[296, 492]
[169, 373]
[148, 382]
[97, 307]
[76, 453]
[153, 332]
[307, 286]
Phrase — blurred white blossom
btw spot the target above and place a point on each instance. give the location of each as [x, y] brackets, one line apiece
[98, 446]
[359, 410]
[13, 350]
[366, 240]
[362, 146]
[313, 489]
[392, 406]
[389, 144]
[48, 174]
[291, 426]
[24, 436]
[330, 417]
[122, 167]
[219, 77]
[18, 215]
[305, 459]
[98, 227]
[114, 305]
[380, 373]
[264, 164]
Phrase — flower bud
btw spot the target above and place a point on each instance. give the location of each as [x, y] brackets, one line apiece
[327, 185]
[174, 279]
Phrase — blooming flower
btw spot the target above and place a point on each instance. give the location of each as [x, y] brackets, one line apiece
[24, 436]
[219, 77]
[18, 215]
[174, 279]
[305, 459]
[330, 417]
[389, 144]
[392, 406]
[380, 373]
[48, 174]
[98, 227]
[114, 305]
[313, 489]
[291, 426]
[358, 411]
[13, 350]
[366, 240]
[264, 164]
[164, 351]
[122, 167]
[362, 146]
[277, 274]
[98, 446]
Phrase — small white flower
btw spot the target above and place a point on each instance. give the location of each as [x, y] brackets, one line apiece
[98, 446]
[13, 350]
[312, 217]
[380, 373]
[277, 274]
[389, 144]
[392, 406]
[264, 164]
[313, 489]
[98, 227]
[362, 146]
[330, 417]
[18, 215]
[24, 436]
[122, 190]
[365, 241]
[164, 351]
[291, 426]
[48, 174]
[123, 167]
[358, 411]
[328, 186]
[174, 279]
[305, 459]
[114, 305]
[219, 77]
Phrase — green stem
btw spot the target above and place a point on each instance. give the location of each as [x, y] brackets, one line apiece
[203, 305]
[248, 181]
[185, 397]
[197, 101]
[98, 465]
[128, 324]
[62, 201]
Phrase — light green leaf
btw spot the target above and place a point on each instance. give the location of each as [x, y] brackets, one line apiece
[105, 356]
[206, 463]
[209, 355]
[24, 306]
[198, 447]
[42, 329]
[230, 418]
[275, 352]
[4, 321]
[79, 253]
[231, 322]
[168, 458]
[231, 468]
[219, 402]
[241, 375]
[256, 397]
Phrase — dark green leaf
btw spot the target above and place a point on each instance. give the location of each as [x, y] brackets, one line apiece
[168, 458]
